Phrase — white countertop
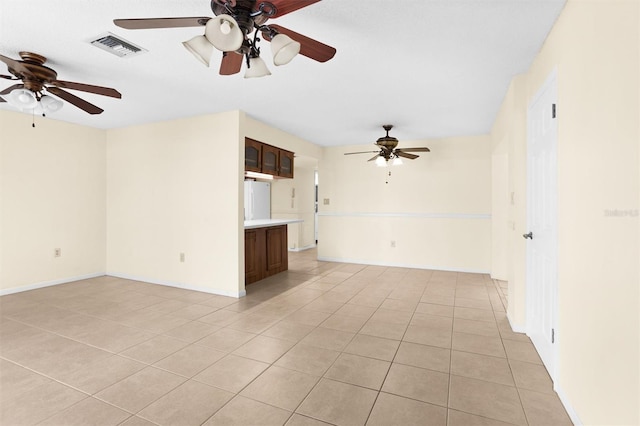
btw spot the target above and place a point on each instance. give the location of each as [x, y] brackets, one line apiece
[263, 223]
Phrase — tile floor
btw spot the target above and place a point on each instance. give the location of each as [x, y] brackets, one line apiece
[323, 343]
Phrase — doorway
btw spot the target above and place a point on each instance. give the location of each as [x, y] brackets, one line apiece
[542, 234]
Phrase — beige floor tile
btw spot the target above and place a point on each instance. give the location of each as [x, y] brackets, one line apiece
[384, 330]
[98, 375]
[522, 351]
[486, 399]
[328, 339]
[396, 410]
[280, 387]
[478, 344]
[168, 305]
[391, 316]
[356, 311]
[136, 421]
[435, 309]
[113, 337]
[458, 418]
[299, 420]
[190, 360]
[473, 314]
[244, 411]
[482, 367]
[37, 404]
[358, 370]
[265, 349]
[344, 323]
[367, 300]
[89, 411]
[531, 376]
[141, 389]
[400, 305]
[445, 300]
[324, 305]
[191, 403]
[473, 303]
[430, 357]
[221, 318]
[193, 312]
[338, 403]
[306, 317]
[481, 328]
[428, 336]
[308, 359]
[232, 373]
[544, 409]
[288, 331]
[417, 383]
[373, 347]
[432, 321]
[192, 331]
[16, 380]
[255, 322]
[154, 349]
[226, 339]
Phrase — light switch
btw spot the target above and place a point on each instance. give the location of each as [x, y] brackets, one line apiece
[326, 202]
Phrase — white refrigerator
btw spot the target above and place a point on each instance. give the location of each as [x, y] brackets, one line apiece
[257, 200]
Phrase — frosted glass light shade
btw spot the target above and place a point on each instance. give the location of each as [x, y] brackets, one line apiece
[284, 49]
[50, 104]
[224, 33]
[200, 47]
[381, 161]
[257, 68]
[22, 98]
[397, 162]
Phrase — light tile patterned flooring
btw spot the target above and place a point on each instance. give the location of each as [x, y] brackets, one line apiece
[322, 343]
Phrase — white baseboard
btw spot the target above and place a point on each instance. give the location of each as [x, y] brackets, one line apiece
[179, 285]
[295, 250]
[43, 284]
[573, 415]
[516, 327]
[401, 265]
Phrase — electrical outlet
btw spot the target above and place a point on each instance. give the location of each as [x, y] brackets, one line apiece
[57, 252]
[393, 243]
[326, 201]
[181, 257]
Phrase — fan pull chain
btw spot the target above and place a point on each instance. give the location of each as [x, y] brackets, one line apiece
[387, 181]
[33, 117]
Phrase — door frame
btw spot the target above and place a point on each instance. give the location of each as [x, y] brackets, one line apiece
[550, 83]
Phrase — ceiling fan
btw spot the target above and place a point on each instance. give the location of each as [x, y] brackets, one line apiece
[388, 150]
[230, 32]
[37, 78]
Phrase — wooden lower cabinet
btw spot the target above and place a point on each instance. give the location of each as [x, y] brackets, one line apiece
[265, 252]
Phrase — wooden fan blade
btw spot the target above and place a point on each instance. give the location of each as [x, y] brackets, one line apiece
[151, 23]
[74, 100]
[10, 88]
[287, 6]
[360, 152]
[17, 66]
[309, 47]
[375, 157]
[2, 100]
[231, 63]
[424, 149]
[98, 90]
[405, 155]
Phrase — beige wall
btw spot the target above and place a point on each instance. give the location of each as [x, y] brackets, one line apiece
[175, 187]
[52, 195]
[594, 47]
[435, 208]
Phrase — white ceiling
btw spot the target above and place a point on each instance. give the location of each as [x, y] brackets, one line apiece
[433, 68]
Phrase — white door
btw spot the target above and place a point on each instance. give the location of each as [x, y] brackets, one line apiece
[542, 205]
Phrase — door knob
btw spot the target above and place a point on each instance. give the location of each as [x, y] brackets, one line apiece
[529, 236]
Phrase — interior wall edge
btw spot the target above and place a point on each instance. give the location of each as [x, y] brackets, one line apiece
[237, 295]
[401, 265]
[35, 286]
[573, 415]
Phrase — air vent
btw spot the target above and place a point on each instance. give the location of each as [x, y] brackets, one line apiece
[117, 45]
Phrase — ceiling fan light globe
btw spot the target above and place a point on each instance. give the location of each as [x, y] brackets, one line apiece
[381, 161]
[224, 33]
[50, 104]
[22, 98]
[200, 47]
[284, 49]
[257, 68]
[397, 161]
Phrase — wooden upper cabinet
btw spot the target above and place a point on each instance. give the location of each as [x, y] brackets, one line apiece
[270, 160]
[252, 155]
[286, 164]
[262, 158]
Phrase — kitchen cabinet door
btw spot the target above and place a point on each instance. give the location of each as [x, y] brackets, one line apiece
[286, 164]
[252, 155]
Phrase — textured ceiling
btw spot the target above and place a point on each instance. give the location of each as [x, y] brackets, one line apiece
[433, 68]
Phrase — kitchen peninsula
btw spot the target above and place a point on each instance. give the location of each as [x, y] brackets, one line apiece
[265, 248]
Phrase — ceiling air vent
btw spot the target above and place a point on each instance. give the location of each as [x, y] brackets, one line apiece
[117, 45]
